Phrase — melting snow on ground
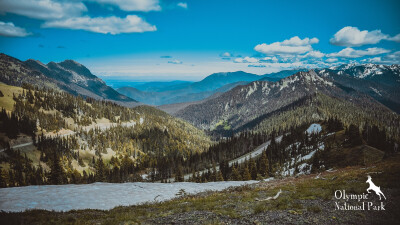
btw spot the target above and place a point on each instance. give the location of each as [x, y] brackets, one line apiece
[99, 195]
[314, 128]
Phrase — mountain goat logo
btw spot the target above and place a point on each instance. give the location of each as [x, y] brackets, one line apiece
[375, 188]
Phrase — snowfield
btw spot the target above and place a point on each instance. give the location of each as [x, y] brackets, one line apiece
[314, 128]
[103, 196]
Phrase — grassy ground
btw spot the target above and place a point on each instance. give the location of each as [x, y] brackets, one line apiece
[304, 200]
[7, 101]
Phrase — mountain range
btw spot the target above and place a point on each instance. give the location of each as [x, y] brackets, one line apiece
[197, 91]
[382, 82]
[68, 76]
[232, 114]
[249, 106]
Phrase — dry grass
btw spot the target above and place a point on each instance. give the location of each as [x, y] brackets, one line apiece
[7, 101]
[235, 203]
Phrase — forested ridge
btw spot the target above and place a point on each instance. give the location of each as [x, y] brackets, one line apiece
[83, 140]
[87, 140]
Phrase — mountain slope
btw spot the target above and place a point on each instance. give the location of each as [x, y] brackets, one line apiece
[15, 72]
[217, 80]
[246, 102]
[378, 81]
[384, 74]
[78, 78]
[81, 131]
[246, 107]
[281, 74]
[68, 76]
[188, 92]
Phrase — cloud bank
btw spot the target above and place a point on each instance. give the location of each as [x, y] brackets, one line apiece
[10, 30]
[104, 25]
[353, 37]
[294, 45]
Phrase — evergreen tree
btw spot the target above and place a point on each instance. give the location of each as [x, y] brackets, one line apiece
[253, 169]
[100, 171]
[264, 165]
[3, 181]
[235, 174]
[354, 135]
[179, 174]
[57, 172]
[246, 173]
[219, 176]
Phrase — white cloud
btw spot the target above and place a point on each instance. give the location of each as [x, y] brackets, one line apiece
[257, 65]
[395, 38]
[182, 5]
[246, 60]
[352, 53]
[133, 5]
[352, 36]
[104, 25]
[331, 60]
[43, 9]
[268, 58]
[226, 54]
[294, 45]
[10, 30]
[372, 60]
[175, 61]
[393, 58]
[314, 54]
[296, 41]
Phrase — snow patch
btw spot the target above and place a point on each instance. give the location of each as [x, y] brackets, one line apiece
[376, 91]
[252, 89]
[308, 156]
[103, 196]
[314, 128]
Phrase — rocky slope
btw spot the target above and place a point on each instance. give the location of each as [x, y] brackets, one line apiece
[188, 92]
[381, 82]
[68, 76]
[259, 100]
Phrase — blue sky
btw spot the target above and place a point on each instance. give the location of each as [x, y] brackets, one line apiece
[188, 40]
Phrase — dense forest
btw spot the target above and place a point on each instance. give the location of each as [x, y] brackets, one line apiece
[85, 136]
[147, 144]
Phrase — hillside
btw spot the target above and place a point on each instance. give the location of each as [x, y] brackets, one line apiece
[85, 134]
[15, 72]
[384, 74]
[378, 81]
[68, 76]
[305, 199]
[320, 138]
[303, 97]
[157, 93]
[280, 75]
[185, 95]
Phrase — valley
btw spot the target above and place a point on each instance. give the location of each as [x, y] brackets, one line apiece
[237, 137]
[204, 112]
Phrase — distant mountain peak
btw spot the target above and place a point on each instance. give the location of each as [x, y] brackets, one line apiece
[309, 78]
[70, 61]
[370, 71]
[67, 75]
[36, 62]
